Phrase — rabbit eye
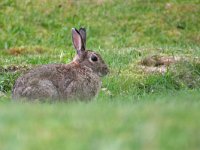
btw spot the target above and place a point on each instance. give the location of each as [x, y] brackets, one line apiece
[94, 58]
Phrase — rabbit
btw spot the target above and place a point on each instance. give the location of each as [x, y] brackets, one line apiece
[78, 80]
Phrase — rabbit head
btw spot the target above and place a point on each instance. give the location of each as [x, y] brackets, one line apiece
[85, 57]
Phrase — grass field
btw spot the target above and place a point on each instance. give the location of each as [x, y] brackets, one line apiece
[136, 109]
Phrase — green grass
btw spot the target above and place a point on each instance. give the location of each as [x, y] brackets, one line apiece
[135, 109]
[153, 122]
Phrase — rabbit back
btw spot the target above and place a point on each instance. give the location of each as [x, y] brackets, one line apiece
[57, 81]
[37, 84]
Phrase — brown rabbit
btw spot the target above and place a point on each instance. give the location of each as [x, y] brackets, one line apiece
[79, 79]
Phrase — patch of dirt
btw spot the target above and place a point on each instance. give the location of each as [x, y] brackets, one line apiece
[159, 64]
[157, 60]
[24, 50]
[160, 69]
[15, 68]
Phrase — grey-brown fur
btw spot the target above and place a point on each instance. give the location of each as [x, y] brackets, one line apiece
[79, 79]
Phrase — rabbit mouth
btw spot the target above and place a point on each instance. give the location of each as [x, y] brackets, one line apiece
[101, 74]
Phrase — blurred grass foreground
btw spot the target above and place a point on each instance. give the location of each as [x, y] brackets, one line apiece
[150, 99]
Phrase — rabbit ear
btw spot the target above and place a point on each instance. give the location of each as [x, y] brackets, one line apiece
[82, 32]
[77, 41]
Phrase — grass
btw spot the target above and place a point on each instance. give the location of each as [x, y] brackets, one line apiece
[153, 122]
[135, 109]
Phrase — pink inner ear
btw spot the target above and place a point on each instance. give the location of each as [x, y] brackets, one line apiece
[76, 40]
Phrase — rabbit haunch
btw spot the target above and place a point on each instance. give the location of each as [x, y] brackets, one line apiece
[79, 79]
